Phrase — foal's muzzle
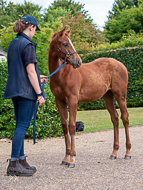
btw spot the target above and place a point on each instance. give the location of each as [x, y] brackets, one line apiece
[76, 63]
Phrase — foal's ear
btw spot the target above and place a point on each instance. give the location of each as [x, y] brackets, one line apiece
[68, 32]
[62, 32]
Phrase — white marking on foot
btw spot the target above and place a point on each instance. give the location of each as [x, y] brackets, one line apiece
[73, 158]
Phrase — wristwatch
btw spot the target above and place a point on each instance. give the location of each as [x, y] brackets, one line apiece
[41, 94]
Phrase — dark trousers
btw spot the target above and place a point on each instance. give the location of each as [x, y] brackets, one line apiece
[24, 110]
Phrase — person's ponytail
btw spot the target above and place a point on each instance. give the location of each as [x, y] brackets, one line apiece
[20, 26]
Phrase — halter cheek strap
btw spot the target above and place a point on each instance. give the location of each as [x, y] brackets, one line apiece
[59, 50]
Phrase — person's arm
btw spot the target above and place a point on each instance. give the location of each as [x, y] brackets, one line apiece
[32, 75]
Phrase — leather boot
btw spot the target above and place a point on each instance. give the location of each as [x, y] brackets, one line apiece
[15, 168]
[26, 165]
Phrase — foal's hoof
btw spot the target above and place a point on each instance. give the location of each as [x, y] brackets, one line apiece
[64, 163]
[127, 157]
[71, 165]
[113, 157]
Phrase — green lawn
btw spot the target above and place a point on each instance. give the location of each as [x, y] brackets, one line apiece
[97, 120]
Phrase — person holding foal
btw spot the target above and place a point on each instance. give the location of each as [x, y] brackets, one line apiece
[24, 88]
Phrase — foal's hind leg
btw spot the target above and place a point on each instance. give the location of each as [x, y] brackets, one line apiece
[124, 116]
[109, 102]
[62, 107]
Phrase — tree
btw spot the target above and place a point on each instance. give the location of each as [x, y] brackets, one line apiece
[67, 6]
[126, 19]
[27, 8]
[4, 16]
[84, 35]
[54, 15]
[12, 12]
[120, 5]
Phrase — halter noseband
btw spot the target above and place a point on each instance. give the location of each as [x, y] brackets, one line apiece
[59, 50]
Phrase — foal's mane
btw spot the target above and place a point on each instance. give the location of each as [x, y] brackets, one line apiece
[53, 35]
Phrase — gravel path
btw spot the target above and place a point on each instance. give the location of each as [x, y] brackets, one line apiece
[94, 170]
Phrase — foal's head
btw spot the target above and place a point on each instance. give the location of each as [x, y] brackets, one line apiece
[64, 48]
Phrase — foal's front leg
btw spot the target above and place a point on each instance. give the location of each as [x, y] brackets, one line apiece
[62, 107]
[72, 129]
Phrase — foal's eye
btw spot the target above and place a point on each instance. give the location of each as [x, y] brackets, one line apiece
[65, 44]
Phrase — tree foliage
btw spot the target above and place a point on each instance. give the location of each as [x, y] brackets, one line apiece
[60, 13]
[61, 8]
[54, 15]
[74, 7]
[84, 34]
[126, 19]
[120, 5]
[12, 12]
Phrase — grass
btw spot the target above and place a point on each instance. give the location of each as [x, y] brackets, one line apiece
[98, 120]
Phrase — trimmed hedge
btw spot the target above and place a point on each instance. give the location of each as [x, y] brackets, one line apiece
[48, 122]
[132, 58]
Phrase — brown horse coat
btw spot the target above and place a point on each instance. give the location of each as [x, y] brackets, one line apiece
[104, 77]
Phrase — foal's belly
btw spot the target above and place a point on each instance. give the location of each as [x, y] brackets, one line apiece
[92, 93]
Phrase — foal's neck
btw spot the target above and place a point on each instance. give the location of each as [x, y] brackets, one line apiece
[54, 63]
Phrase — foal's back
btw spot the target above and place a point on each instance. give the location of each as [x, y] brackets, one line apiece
[99, 76]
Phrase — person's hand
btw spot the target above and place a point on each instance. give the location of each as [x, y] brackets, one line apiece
[41, 100]
[42, 78]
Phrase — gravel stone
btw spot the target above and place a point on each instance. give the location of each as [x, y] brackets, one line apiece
[93, 171]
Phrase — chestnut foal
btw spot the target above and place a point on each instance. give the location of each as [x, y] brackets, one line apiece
[104, 77]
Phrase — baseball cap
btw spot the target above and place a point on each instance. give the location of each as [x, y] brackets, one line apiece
[30, 20]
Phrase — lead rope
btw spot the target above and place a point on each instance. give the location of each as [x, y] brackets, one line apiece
[36, 108]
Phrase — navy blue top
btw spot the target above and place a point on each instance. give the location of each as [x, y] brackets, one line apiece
[21, 52]
[29, 55]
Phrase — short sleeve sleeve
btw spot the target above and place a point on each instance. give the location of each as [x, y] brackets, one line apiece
[29, 55]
